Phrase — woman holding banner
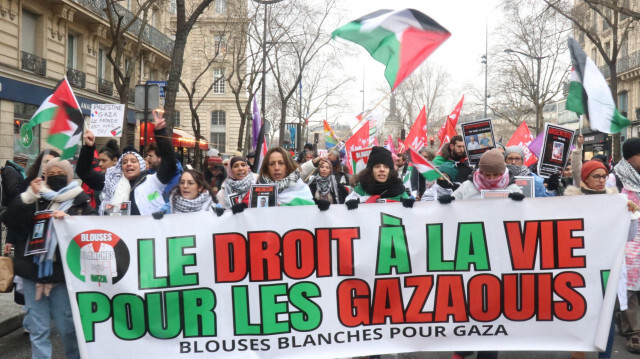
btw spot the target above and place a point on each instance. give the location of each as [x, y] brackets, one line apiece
[379, 182]
[238, 182]
[326, 186]
[191, 194]
[44, 286]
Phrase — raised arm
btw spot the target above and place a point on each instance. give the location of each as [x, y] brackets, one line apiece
[168, 166]
[93, 179]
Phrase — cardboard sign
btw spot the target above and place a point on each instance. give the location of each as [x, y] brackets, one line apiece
[526, 184]
[106, 120]
[556, 147]
[107, 209]
[478, 139]
[263, 195]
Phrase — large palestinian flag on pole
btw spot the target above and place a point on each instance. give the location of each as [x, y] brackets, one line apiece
[63, 109]
[399, 39]
[589, 93]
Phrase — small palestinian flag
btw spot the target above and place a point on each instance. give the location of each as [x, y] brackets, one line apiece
[590, 94]
[63, 109]
[424, 167]
[399, 39]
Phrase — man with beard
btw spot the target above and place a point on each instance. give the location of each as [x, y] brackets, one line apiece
[454, 152]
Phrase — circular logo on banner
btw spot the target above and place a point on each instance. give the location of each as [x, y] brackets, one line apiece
[98, 256]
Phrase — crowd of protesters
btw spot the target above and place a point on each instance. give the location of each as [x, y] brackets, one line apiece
[158, 185]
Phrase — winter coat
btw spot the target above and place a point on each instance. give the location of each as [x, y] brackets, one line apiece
[221, 196]
[338, 198]
[25, 208]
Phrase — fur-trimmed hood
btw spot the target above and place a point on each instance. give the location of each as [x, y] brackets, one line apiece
[575, 191]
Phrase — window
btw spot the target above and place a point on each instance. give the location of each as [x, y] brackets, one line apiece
[173, 7]
[221, 7]
[102, 63]
[176, 118]
[22, 114]
[594, 54]
[29, 26]
[607, 48]
[218, 130]
[220, 44]
[218, 78]
[623, 102]
[72, 51]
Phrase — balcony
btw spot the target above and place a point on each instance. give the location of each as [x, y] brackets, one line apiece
[33, 63]
[150, 35]
[623, 64]
[76, 78]
[105, 87]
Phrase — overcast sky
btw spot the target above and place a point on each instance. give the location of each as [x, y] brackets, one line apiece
[459, 55]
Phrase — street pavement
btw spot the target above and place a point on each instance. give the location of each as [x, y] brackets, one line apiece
[14, 343]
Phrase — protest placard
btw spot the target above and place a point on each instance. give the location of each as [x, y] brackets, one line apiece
[526, 184]
[478, 139]
[291, 282]
[106, 120]
[556, 147]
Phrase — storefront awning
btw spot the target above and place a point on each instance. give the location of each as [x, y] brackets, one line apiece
[179, 138]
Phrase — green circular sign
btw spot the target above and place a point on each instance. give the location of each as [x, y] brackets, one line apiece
[26, 135]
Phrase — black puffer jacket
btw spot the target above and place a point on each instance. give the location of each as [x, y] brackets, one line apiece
[23, 215]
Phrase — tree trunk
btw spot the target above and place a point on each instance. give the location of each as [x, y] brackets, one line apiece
[283, 119]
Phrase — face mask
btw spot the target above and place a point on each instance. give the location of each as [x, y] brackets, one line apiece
[57, 183]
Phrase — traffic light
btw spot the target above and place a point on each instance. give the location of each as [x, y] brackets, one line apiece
[432, 140]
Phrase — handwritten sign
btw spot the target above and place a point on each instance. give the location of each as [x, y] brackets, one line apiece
[106, 120]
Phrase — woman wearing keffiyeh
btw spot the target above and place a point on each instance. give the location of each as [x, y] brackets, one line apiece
[280, 169]
[238, 182]
[324, 185]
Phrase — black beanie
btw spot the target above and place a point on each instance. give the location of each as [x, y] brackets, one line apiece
[380, 155]
[630, 148]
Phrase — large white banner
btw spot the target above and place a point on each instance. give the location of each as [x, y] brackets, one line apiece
[293, 281]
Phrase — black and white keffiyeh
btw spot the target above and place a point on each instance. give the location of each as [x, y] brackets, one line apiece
[516, 170]
[628, 175]
[180, 204]
[283, 183]
[116, 186]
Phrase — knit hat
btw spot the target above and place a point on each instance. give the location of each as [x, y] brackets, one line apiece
[379, 155]
[514, 149]
[630, 148]
[20, 157]
[450, 169]
[62, 164]
[591, 166]
[492, 161]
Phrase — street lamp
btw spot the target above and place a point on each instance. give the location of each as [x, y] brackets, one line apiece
[264, 50]
[536, 94]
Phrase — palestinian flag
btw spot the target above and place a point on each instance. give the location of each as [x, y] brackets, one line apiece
[297, 194]
[424, 167]
[399, 39]
[589, 93]
[63, 109]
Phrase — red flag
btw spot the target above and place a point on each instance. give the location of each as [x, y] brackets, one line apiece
[453, 117]
[418, 135]
[358, 141]
[449, 131]
[522, 138]
[389, 145]
[401, 147]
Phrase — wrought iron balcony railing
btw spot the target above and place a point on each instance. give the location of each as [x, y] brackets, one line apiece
[76, 78]
[105, 87]
[150, 35]
[33, 63]
[623, 64]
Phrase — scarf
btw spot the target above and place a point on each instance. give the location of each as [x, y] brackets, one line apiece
[434, 192]
[59, 201]
[180, 204]
[628, 175]
[392, 188]
[519, 170]
[116, 186]
[240, 187]
[586, 190]
[19, 168]
[481, 182]
[325, 186]
[283, 183]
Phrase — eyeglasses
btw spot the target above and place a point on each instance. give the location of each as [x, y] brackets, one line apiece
[513, 159]
[599, 177]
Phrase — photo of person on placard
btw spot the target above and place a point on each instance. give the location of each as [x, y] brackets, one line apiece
[263, 201]
[558, 150]
[472, 144]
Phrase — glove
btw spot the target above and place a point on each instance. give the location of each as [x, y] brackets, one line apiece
[323, 205]
[446, 198]
[238, 208]
[352, 203]
[408, 202]
[219, 210]
[516, 196]
[158, 215]
[553, 182]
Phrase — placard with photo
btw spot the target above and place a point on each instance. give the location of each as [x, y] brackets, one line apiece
[556, 148]
[263, 195]
[124, 209]
[40, 237]
[478, 139]
[526, 184]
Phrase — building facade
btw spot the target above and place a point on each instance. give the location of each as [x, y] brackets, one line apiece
[214, 56]
[45, 40]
